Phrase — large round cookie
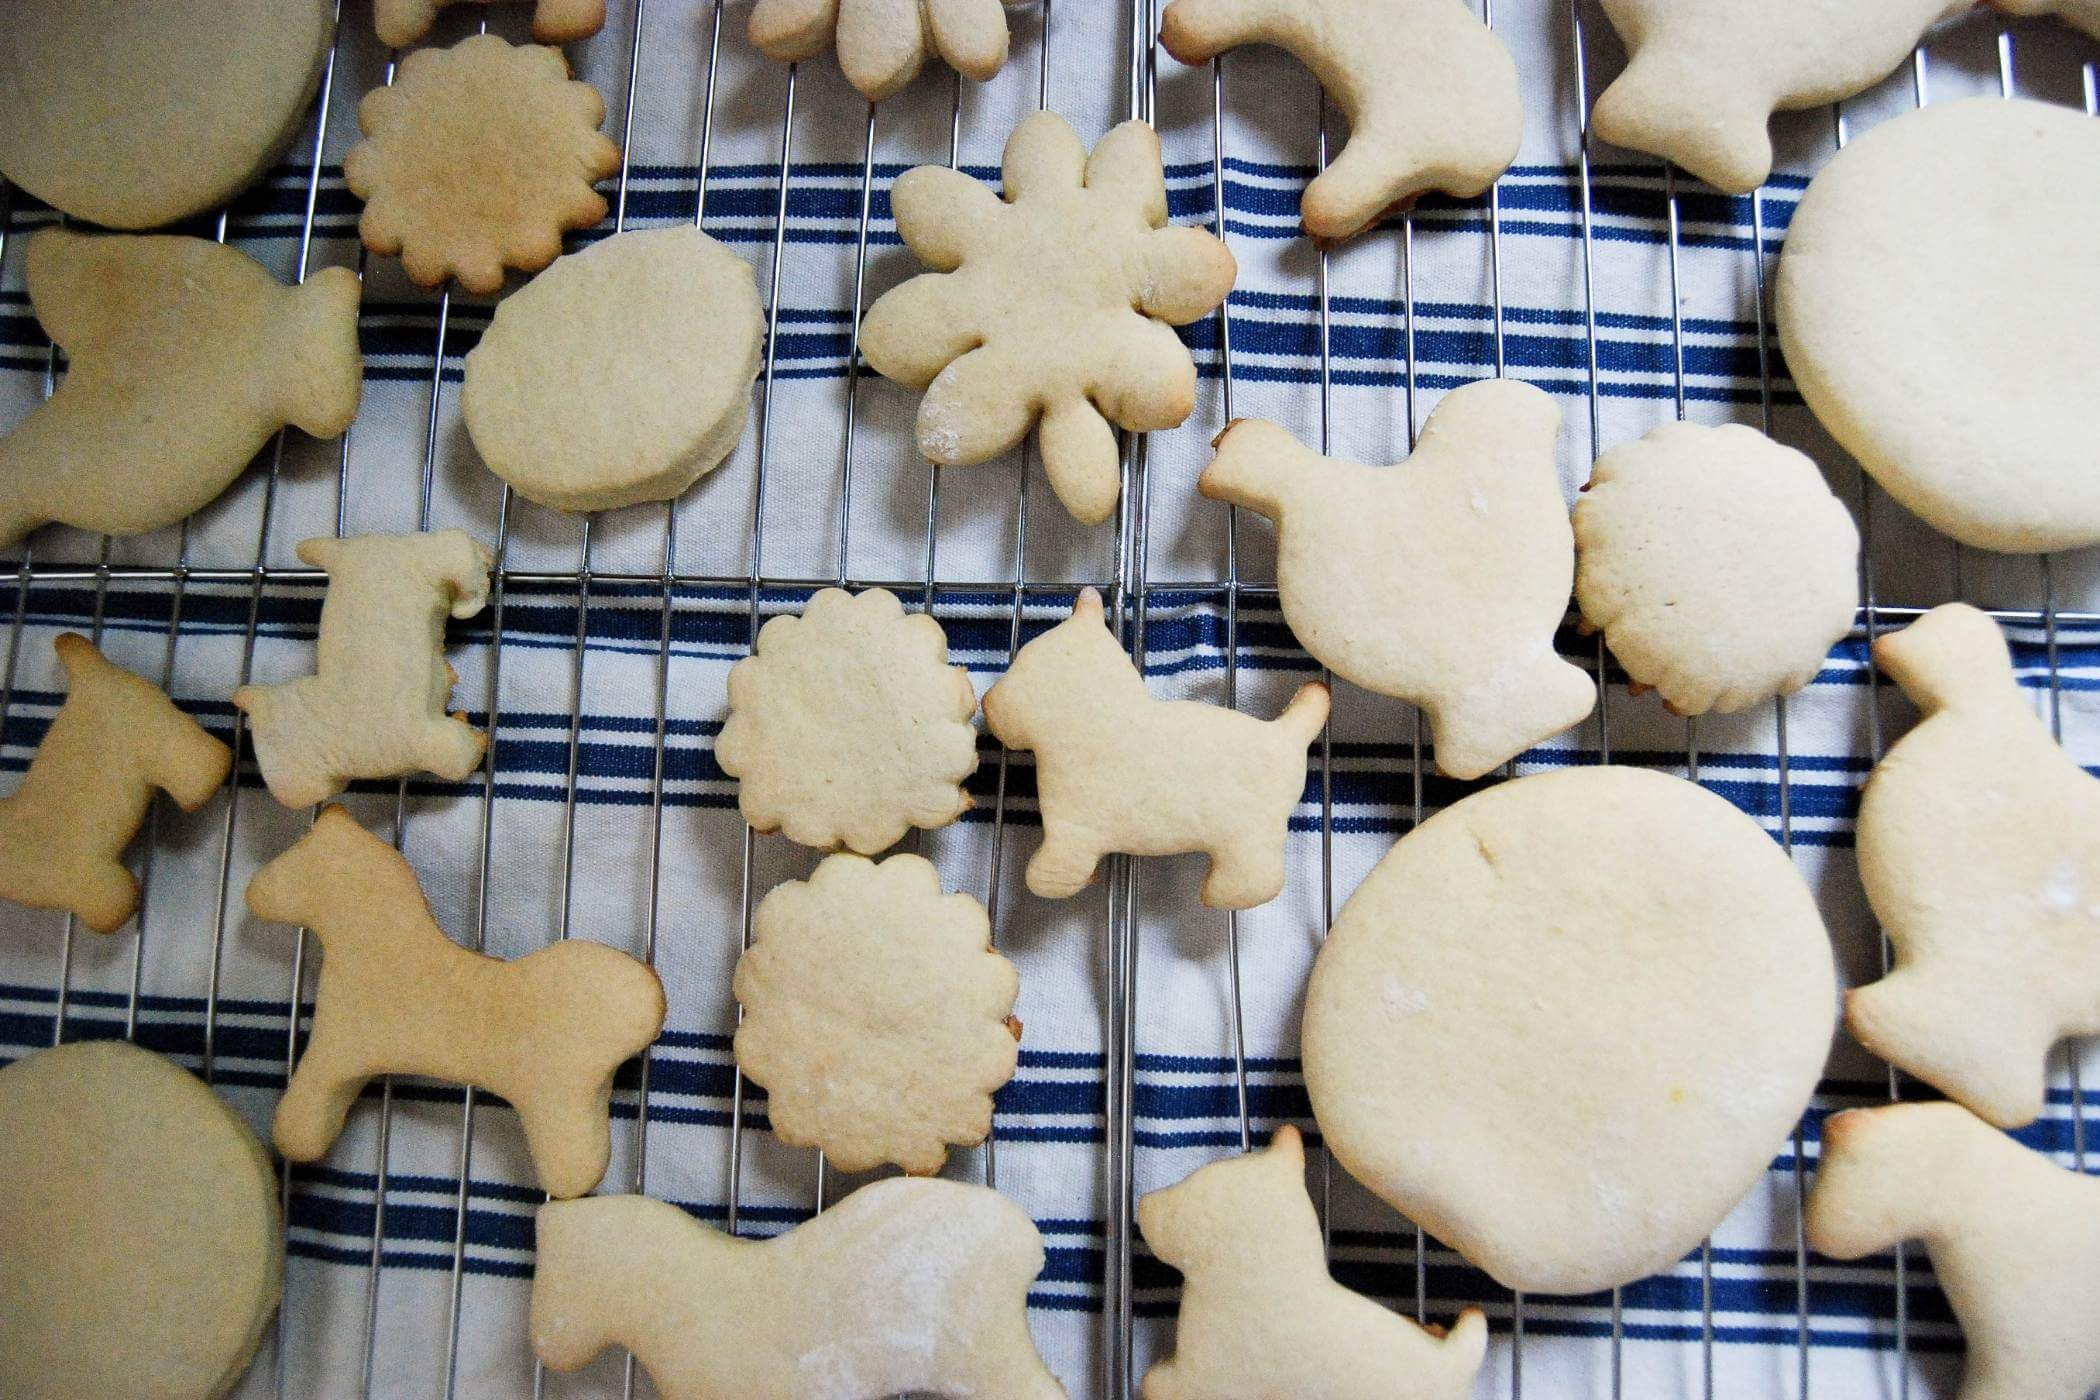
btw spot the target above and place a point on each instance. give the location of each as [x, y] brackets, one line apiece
[135, 113]
[1565, 1024]
[1939, 304]
[140, 1246]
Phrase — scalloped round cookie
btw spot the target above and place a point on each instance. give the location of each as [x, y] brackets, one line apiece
[620, 374]
[136, 113]
[1717, 563]
[1939, 305]
[141, 1252]
[1564, 1025]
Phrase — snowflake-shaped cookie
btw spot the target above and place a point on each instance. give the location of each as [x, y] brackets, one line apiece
[882, 43]
[848, 726]
[877, 1017]
[1056, 303]
[476, 158]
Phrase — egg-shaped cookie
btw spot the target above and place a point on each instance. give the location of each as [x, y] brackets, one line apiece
[620, 374]
[1565, 1024]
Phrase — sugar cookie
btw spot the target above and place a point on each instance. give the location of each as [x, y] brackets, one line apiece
[141, 1252]
[2014, 1240]
[1441, 581]
[375, 705]
[477, 158]
[1979, 845]
[882, 43]
[1116, 770]
[396, 996]
[1057, 303]
[115, 740]
[184, 357]
[877, 1018]
[1261, 1316]
[135, 115]
[909, 1284]
[847, 726]
[1953, 347]
[1705, 76]
[402, 22]
[2083, 13]
[1717, 563]
[653, 336]
[1613, 996]
[1430, 93]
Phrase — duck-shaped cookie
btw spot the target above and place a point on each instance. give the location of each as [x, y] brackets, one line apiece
[1440, 581]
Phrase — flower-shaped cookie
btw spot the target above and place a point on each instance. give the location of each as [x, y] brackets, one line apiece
[476, 158]
[882, 43]
[877, 1017]
[848, 726]
[1057, 303]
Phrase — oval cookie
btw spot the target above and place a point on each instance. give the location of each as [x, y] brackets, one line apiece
[620, 374]
[141, 1252]
[1939, 305]
[1564, 1024]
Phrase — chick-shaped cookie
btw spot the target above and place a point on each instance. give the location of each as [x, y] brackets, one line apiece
[2014, 1240]
[184, 355]
[877, 1017]
[1705, 76]
[848, 727]
[883, 43]
[1979, 845]
[477, 158]
[1440, 581]
[1717, 563]
[1056, 304]
[1430, 93]
[1261, 1316]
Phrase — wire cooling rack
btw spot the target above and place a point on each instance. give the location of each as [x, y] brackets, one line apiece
[1806, 1313]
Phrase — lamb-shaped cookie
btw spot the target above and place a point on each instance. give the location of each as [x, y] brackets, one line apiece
[1261, 1316]
[2014, 1240]
[402, 22]
[882, 43]
[1116, 770]
[1979, 845]
[1058, 303]
[1717, 563]
[375, 707]
[184, 357]
[396, 996]
[1440, 581]
[1430, 93]
[2083, 13]
[115, 740]
[910, 1284]
[1705, 76]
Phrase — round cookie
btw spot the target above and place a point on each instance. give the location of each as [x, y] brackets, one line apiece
[1939, 306]
[133, 115]
[1564, 1024]
[1717, 564]
[141, 1252]
[620, 374]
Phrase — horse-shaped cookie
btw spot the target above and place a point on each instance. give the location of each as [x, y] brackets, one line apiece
[2014, 1239]
[115, 740]
[1260, 1315]
[396, 996]
[910, 1284]
[1116, 770]
[376, 706]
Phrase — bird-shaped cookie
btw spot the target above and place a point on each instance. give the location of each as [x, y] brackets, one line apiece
[1979, 844]
[1441, 581]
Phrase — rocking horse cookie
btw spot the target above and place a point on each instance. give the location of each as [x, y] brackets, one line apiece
[116, 739]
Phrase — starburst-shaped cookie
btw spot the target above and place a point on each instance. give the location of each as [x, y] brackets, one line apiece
[883, 43]
[476, 158]
[877, 1017]
[1054, 304]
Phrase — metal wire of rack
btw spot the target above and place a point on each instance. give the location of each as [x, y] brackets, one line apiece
[1127, 583]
